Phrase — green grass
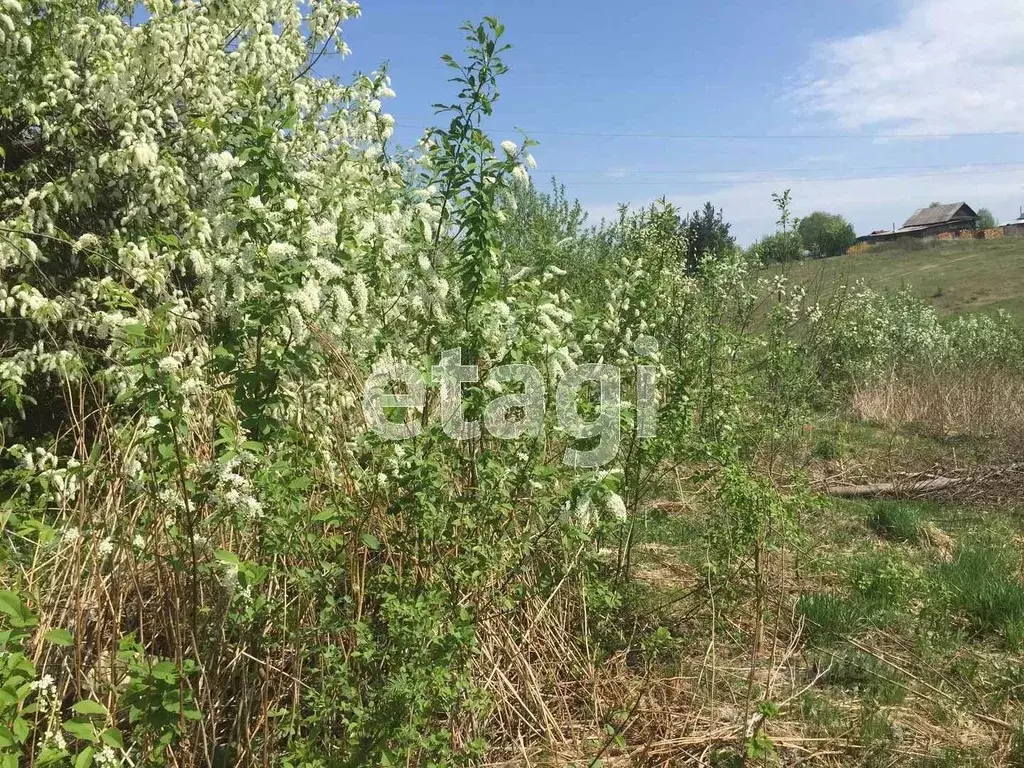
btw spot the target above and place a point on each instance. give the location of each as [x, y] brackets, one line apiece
[880, 586]
[983, 585]
[854, 670]
[886, 580]
[830, 616]
[954, 757]
[819, 710]
[1016, 756]
[890, 611]
[964, 276]
[896, 522]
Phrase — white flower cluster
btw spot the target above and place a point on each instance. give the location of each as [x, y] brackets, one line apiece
[47, 467]
[582, 514]
[233, 492]
[616, 507]
[872, 333]
[48, 705]
[108, 758]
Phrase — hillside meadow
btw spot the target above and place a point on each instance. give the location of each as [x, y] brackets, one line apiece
[953, 276]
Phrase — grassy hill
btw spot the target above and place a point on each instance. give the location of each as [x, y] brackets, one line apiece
[956, 276]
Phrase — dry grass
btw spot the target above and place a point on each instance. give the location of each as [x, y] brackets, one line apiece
[555, 698]
[556, 704]
[982, 403]
[705, 702]
[168, 598]
[560, 704]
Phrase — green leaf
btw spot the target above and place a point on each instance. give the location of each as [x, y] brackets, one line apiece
[227, 557]
[112, 738]
[300, 483]
[20, 729]
[60, 637]
[327, 515]
[89, 707]
[50, 755]
[84, 759]
[80, 728]
[11, 604]
[371, 541]
[165, 670]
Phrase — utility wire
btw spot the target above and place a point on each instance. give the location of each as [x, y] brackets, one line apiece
[790, 179]
[613, 172]
[741, 136]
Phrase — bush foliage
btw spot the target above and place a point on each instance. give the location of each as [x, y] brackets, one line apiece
[826, 234]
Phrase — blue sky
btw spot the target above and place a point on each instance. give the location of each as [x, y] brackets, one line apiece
[839, 101]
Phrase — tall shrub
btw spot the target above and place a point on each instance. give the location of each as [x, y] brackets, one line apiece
[826, 234]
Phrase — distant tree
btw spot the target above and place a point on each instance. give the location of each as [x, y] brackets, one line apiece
[985, 219]
[826, 234]
[779, 248]
[934, 204]
[707, 236]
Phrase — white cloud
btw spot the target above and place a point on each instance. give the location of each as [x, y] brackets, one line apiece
[868, 203]
[944, 66]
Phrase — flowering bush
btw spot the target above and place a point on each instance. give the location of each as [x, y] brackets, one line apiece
[207, 250]
[861, 334]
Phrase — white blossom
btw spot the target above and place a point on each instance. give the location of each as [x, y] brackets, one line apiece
[616, 507]
[86, 242]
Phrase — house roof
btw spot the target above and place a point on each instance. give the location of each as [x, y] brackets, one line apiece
[939, 214]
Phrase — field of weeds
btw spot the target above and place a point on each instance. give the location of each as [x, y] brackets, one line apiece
[889, 631]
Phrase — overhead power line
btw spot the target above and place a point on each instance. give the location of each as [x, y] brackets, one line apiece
[780, 136]
[613, 172]
[741, 136]
[790, 179]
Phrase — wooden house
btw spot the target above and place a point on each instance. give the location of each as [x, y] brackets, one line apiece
[929, 222]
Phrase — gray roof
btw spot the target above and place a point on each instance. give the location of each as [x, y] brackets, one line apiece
[940, 214]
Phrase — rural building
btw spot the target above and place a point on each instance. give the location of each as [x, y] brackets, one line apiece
[929, 222]
[1015, 228]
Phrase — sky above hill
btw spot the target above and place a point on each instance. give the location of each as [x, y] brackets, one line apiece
[870, 109]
